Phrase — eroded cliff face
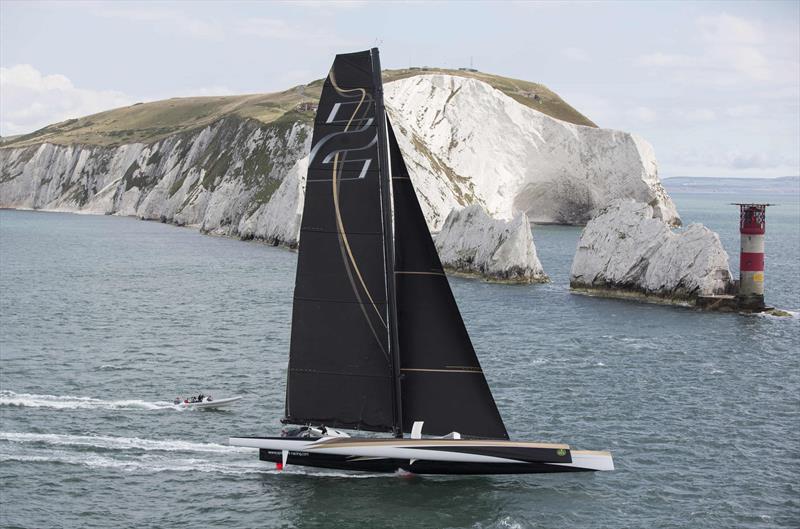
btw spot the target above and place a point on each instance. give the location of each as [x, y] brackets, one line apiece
[484, 147]
[464, 143]
[626, 252]
[278, 221]
[210, 178]
[473, 243]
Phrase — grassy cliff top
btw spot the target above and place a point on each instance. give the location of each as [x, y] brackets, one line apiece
[149, 122]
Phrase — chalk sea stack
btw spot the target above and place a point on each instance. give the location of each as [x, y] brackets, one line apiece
[626, 252]
[473, 243]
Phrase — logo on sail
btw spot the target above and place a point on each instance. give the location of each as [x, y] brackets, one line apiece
[349, 160]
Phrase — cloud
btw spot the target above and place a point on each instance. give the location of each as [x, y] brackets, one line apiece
[728, 29]
[746, 60]
[202, 91]
[666, 59]
[575, 54]
[644, 114]
[730, 49]
[751, 161]
[278, 29]
[703, 161]
[171, 19]
[296, 76]
[598, 109]
[696, 114]
[743, 111]
[327, 4]
[272, 28]
[30, 100]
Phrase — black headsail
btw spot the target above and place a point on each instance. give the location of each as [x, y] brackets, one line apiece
[341, 368]
[442, 381]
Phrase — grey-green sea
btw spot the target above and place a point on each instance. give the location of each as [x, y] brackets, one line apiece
[104, 320]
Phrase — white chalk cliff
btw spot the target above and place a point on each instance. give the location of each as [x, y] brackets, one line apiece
[472, 242]
[485, 147]
[624, 251]
[278, 221]
[213, 178]
[464, 142]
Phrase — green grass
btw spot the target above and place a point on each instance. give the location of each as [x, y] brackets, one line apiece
[131, 179]
[216, 170]
[178, 183]
[150, 122]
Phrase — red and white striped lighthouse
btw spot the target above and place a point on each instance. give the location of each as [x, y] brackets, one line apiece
[752, 225]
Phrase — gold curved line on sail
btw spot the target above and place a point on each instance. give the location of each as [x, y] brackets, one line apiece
[335, 183]
[349, 271]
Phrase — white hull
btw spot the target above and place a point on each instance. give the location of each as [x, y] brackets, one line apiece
[209, 405]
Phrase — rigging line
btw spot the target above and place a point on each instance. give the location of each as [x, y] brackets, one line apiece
[339, 222]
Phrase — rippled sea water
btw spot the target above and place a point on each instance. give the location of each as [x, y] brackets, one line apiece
[105, 320]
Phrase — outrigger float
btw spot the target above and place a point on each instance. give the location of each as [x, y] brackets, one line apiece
[378, 343]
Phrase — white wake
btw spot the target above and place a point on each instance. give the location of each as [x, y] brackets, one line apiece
[10, 398]
[120, 443]
[140, 465]
[120, 453]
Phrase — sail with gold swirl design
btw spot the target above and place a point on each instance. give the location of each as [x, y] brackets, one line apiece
[377, 340]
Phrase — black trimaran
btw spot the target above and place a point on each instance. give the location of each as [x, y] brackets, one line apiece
[378, 343]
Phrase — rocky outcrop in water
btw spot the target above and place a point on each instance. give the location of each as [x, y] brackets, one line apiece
[473, 243]
[625, 252]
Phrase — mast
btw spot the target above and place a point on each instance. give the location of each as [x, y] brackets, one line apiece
[388, 240]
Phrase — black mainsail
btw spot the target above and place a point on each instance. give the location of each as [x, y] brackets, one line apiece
[340, 362]
[377, 340]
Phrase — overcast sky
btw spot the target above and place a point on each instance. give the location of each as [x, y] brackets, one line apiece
[714, 86]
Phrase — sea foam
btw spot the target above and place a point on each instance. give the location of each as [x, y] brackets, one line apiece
[10, 398]
[119, 443]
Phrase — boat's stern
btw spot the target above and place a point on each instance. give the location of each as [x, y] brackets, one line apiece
[590, 460]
